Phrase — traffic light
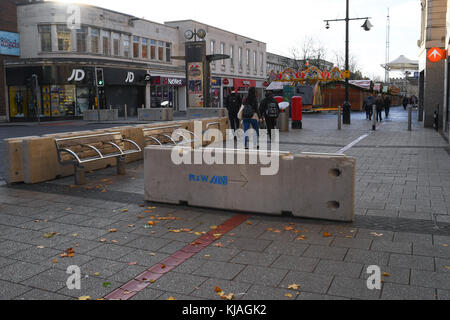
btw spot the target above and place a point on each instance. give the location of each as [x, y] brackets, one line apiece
[100, 79]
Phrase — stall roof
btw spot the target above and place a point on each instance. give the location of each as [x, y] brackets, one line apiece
[278, 85]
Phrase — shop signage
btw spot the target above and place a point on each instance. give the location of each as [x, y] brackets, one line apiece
[9, 43]
[436, 54]
[124, 77]
[226, 82]
[244, 83]
[217, 82]
[130, 77]
[174, 82]
[77, 75]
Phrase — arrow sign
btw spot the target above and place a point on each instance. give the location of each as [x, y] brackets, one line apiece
[436, 54]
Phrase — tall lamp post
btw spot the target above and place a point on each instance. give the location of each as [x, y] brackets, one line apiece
[346, 119]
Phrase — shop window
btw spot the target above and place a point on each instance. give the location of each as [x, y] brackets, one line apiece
[45, 34]
[106, 43]
[64, 38]
[144, 48]
[82, 40]
[152, 49]
[240, 58]
[94, 41]
[160, 51]
[261, 61]
[248, 58]
[255, 62]
[222, 51]
[136, 47]
[126, 46]
[20, 102]
[232, 57]
[168, 52]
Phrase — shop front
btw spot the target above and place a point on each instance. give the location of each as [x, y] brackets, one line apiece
[63, 92]
[123, 87]
[168, 89]
[216, 92]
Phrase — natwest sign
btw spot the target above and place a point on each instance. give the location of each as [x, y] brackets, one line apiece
[176, 82]
[244, 83]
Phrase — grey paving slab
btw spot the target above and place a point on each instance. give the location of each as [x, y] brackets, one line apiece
[8, 248]
[148, 243]
[442, 251]
[428, 279]
[207, 289]
[296, 263]
[411, 262]
[267, 293]
[393, 291]
[190, 265]
[317, 297]
[9, 290]
[219, 270]
[326, 252]
[443, 295]
[296, 248]
[393, 247]
[20, 271]
[102, 268]
[110, 251]
[125, 275]
[255, 258]
[339, 268]
[244, 243]
[367, 257]
[352, 288]
[143, 258]
[95, 288]
[148, 294]
[261, 275]
[49, 280]
[34, 255]
[309, 282]
[389, 274]
[41, 295]
[179, 283]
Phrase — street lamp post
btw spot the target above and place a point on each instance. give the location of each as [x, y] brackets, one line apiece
[346, 116]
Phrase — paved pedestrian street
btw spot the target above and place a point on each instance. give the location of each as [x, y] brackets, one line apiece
[129, 249]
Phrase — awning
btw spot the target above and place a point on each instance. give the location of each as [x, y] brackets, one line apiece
[402, 63]
[278, 85]
[365, 84]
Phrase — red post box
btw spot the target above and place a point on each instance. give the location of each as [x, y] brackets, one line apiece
[297, 112]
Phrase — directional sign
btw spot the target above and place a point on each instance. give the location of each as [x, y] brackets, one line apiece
[436, 54]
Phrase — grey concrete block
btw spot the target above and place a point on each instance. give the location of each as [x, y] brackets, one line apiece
[255, 258]
[352, 288]
[326, 252]
[20, 271]
[296, 248]
[367, 257]
[198, 113]
[207, 289]
[403, 292]
[219, 270]
[183, 284]
[309, 282]
[351, 243]
[339, 268]
[326, 174]
[9, 291]
[41, 295]
[411, 262]
[394, 247]
[261, 275]
[430, 279]
[296, 263]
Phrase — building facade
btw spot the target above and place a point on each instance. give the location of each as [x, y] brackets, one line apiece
[9, 48]
[247, 64]
[278, 63]
[434, 76]
[87, 57]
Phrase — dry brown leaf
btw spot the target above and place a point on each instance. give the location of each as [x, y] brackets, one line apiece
[288, 295]
[294, 286]
[84, 298]
[327, 235]
[171, 298]
[112, 230]
[218, 245]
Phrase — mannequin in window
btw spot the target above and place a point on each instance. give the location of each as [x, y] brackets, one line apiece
[19, 102]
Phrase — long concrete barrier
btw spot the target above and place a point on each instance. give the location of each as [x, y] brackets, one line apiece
[310, 186]
[34, 159]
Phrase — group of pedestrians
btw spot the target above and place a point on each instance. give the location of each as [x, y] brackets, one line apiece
[381, 102]
[409, 101]
[251, 113]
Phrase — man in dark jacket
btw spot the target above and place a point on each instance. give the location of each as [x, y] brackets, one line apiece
[270, 110]
[233, 105]
[379, 103]
[368, 104]
[387, 105]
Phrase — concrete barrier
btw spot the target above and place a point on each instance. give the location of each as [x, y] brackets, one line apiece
[101, 115]
[155, 114]
[198, 113]
[12, 153]
[309, 186]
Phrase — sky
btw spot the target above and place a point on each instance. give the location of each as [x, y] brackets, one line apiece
[284, 24]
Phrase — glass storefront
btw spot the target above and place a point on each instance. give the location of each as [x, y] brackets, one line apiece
[165, 89]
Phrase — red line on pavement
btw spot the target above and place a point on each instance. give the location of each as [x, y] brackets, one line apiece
[142, 281]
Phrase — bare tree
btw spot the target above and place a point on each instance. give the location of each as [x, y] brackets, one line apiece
[310, 50]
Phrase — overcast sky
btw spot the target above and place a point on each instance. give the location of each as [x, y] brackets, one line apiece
[283, 24]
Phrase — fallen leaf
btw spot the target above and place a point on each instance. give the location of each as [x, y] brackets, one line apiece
[104, 190]
[97, 274]
[152, 254]
[447, 267]
[55, 261]
[288, 295]
[218, 245]
[114, 241]
[385, 274]
[213, 227]
[106, 284]
[376, 234]
[84, 298]
[294, 286]
[132, 263]
[327, 235]
[217, 290]
[163, 266]
[171, 298]
[112, 230]
[131, 226]
[445, 245]
[207, 256]
[301, 238]
[151, 223]
[217, 235]
[152, 281]
[124, 210]
[249, 223]
[50, 235]
[103, 240]
[40, 247]
[228, 296]
[69, 209]
[288, 228]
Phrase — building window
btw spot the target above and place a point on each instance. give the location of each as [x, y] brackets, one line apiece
[152, 49]
[168, 52]
[213, 47]
[45, 34]
[126, 46]
[94, 41]
[248, 58]
[232, 56]
[144, 48]
[106, 42]
[135, 47]
[255, 61]
[82, 40]
[63, 36]
[222, 51]
[160, 51]
[116, 44]
[261, 61]
[240, 58]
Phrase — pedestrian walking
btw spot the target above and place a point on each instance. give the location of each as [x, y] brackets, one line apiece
[270, 110]
[387, 105]
[233, 104]
[251, 116]
[368, 105]
[379, 103]
[405, 102]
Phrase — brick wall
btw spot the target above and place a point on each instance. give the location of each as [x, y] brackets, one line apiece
[8, 22]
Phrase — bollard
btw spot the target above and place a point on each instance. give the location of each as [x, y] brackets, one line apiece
[121, 166]
[339, 118]
[126, 112]
[374, 118]
[436, 120]
[80, 176]
[110, 107]
[409, 118]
